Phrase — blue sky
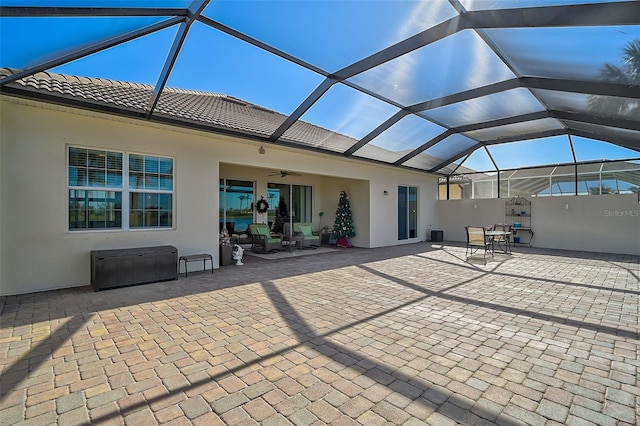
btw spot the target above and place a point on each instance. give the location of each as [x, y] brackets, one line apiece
[330, 35]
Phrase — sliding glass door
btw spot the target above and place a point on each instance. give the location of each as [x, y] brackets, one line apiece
[288, 203]
[236, 204]
[407, 212]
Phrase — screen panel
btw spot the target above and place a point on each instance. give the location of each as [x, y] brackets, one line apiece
[400, 139]
[486, 108]
[440, 152]
[330, 35]
[577, 53]
[439, 69]
[516, 129]
[347, 112]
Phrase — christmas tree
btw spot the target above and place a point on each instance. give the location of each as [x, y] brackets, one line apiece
[282, 216]
[343, 225]
[282, 210]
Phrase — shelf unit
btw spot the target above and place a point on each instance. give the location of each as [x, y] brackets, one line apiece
[517, 213]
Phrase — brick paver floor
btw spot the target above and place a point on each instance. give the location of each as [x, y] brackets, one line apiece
[407, 335]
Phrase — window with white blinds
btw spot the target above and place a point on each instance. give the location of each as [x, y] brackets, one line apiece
[119, 190]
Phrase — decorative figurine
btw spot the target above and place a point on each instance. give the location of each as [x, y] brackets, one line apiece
[238, 252]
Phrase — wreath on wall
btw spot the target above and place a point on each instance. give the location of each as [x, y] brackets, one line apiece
[262, 206]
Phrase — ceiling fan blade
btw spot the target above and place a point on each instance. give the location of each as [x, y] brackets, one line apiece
[283, 173]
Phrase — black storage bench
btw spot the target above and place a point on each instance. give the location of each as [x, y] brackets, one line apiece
[125, 267]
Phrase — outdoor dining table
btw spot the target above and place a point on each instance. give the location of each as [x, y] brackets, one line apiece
[507, 239]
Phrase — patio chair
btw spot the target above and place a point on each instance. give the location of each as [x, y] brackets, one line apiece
[304, 229]
[477, 239]
[503, 239]
[261, 238]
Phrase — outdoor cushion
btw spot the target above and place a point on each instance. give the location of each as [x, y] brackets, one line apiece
[306, 230]
[304, 227]
[263, 230]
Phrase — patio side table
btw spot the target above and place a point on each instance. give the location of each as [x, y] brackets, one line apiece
[291, 239]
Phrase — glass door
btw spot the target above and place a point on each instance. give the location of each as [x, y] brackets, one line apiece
[407, 212]
[236, 205]
[288, 203]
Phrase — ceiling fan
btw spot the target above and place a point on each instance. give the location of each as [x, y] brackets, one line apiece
[283, 173]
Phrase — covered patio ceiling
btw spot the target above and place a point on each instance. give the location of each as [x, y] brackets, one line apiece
[414, 84]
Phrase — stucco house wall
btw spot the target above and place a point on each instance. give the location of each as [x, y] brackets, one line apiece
[38, 252]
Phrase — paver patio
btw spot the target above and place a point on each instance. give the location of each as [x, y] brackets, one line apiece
[409, 335]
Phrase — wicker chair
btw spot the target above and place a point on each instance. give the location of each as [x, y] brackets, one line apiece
[262, 240]
[304, 229]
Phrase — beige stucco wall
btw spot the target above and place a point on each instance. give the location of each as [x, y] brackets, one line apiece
[597, 223]
[37, 252]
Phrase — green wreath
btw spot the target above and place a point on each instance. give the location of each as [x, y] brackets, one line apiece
[262, 206]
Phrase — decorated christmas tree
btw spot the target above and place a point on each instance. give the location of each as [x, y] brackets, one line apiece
[343, 225]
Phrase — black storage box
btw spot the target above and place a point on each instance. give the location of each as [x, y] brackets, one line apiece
[124, 267]
[437, 236]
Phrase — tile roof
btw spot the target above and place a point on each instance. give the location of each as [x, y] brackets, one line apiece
[213, 110]
[204, 110]
[216, 110]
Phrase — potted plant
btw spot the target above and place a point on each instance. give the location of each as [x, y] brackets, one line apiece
[320, 223]
[226, 251]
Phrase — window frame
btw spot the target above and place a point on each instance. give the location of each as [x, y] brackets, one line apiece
[124, 189]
